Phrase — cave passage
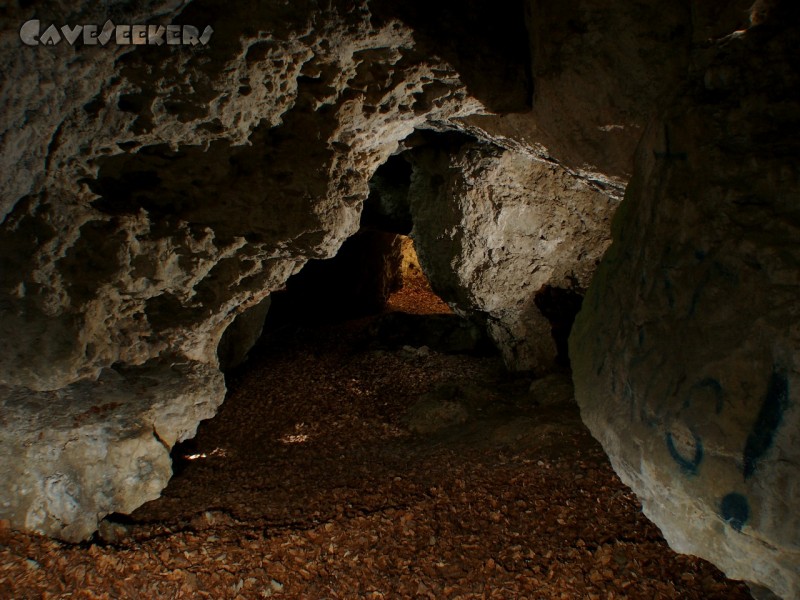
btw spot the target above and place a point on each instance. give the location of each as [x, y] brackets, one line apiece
[373, 443]
[215, 242]
[351, 460]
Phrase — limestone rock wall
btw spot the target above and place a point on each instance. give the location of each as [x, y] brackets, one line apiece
[169, 190]
[95, 447]
[685, 355]
[40, 87]
[494, 227]
[242, 334]
[189, 184]
[149, 196]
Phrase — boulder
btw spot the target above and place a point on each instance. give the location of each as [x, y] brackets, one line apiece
[493, 228]
[686, 352]
[93, 448]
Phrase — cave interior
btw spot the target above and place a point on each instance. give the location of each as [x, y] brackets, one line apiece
[359, 298]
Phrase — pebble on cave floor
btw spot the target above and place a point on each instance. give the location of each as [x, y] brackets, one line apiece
[310, 484]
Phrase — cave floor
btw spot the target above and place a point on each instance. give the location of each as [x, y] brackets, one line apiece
[310, 484]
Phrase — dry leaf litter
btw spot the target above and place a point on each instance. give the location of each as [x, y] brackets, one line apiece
[336, 469]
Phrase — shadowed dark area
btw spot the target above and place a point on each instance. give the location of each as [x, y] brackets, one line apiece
[498, 70]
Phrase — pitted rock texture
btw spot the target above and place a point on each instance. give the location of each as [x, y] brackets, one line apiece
[39, 87]
[98, 447]
[180, 187]
[492, 228]
[240, 161]
[685, 355]
[151, 195]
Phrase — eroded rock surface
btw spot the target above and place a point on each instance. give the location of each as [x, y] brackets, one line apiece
[194, 181]
[180, 187]
[93, 448]
[151, 195]
[242, 334]
[685, 355]
[494, 227]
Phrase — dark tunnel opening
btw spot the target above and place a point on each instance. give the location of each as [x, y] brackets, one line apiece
[400, 420]
[560, 306]
[376, 272]
[356, 282]
[375, 275]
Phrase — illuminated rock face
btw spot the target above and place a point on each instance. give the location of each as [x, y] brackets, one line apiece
[160, 193]
[102, 446]
[494, 229]
[152, 194]
[685, 356]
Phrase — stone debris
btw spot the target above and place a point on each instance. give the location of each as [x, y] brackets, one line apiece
[553, 389]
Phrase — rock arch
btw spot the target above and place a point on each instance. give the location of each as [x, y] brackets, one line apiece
[149, 195]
